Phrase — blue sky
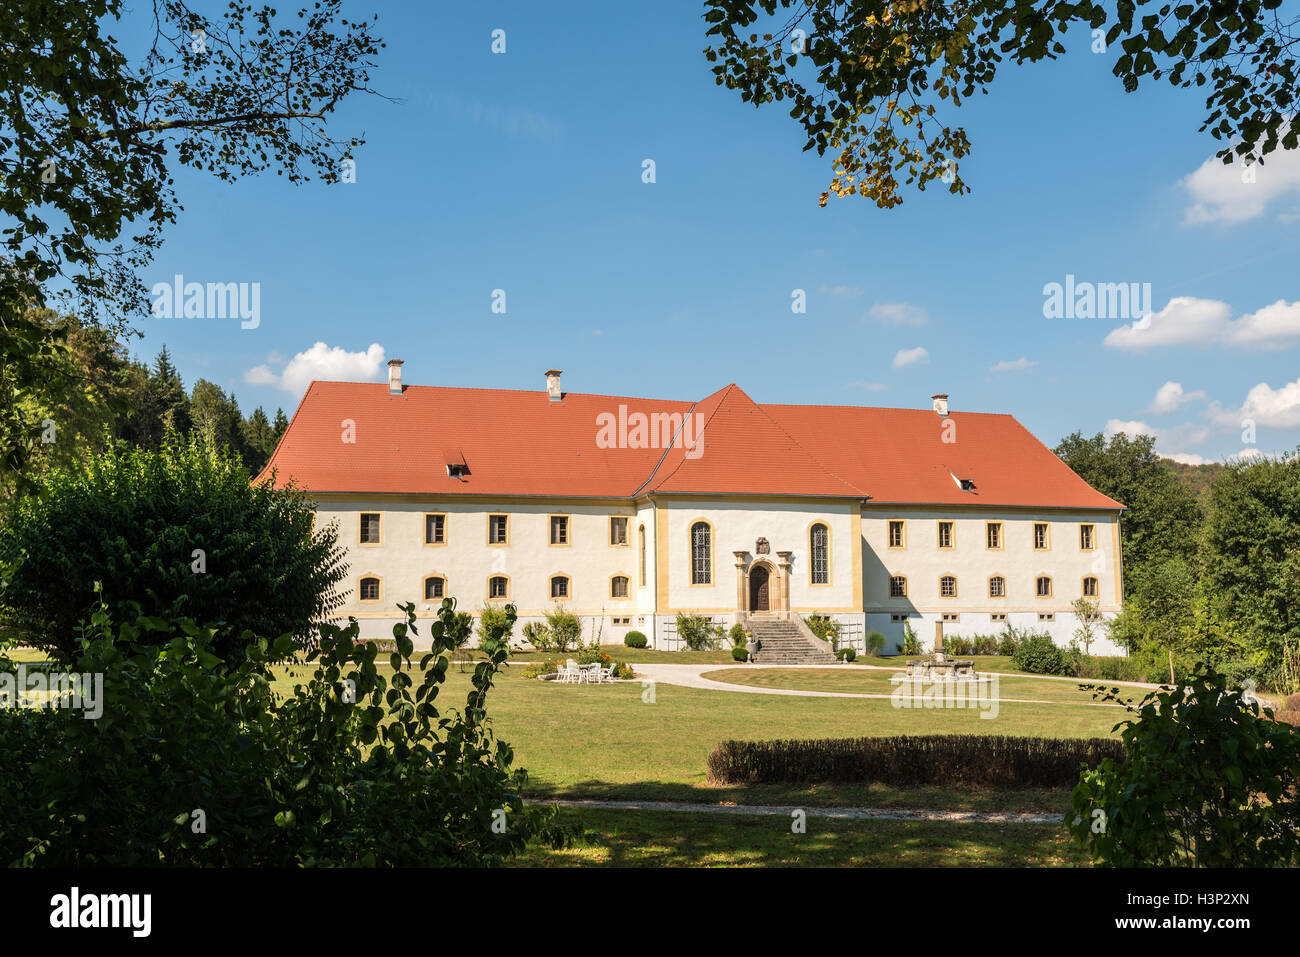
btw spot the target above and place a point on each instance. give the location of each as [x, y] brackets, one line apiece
[522, 171]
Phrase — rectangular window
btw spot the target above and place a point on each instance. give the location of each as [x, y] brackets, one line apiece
[998, 616]
[1087, 535]
[946, 535]
[1047, 616]
[897, 534]
[559, 587]
[498, 587]
[498, 529]
[369, 528]
[948, 587]
[1090, 587]
[435, 529]
[434, 587]
[559, 529]
[951, 616]
[618, 530]
[997, 587]
[618, 587]
[1041, 540]
[898, 587]
[898, 618]
[994, 535]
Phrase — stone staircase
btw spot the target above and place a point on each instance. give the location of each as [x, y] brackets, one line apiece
[782, 642]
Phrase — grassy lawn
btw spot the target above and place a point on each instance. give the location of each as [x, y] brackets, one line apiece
[617, 838]
[633, 655]
[863, 681]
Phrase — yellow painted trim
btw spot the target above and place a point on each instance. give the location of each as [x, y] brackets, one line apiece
[938, 534]
[506, 596]
[361, 516]
[830, 553]
[895, 548]
[1119, 562]
[642, 559]
[550, 584]
[370, 601]
[488, 537]
[1092, 536]
[713, 553]
[445, 530]
[661, 558]
[1001, 546]
[612, 596]
[424, 586]
[1051, 585]
[956, 586]
[627, 532]
[993, 597]
[568, 530]
[1047, 536]
[855, 527]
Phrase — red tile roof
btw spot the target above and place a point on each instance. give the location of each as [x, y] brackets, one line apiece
[357, 437]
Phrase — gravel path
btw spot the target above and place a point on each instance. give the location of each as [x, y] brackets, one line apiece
[841, 813]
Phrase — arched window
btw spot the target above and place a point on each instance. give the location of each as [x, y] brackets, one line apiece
[369, 589]
[701, 554]
[898, 586]
[1043, 586]
[642, 538]
[1090, 587]
[560, 586]
[819, 563]
[948, 586]
[498, 587]
[435, 587]
[997, 587]
[618, 586]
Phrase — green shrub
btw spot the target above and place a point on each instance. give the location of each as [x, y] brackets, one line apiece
[563, 629]
[1037, 654]
[966, 760]
[957, 645]
[623, 671]
[984, 645]
[634, 639]
[538, 635]
[847, 654]
[492, 619]
[1008, 641]
[1108, 669]
[875, 642]
[356, 767]
[911, 643]
[538, 668]
[824, 627]
[697, 632]
[739, 654]
[173, 532]
[1212, 784]
[738, 636]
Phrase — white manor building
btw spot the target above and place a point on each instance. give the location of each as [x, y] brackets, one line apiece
[628, 511]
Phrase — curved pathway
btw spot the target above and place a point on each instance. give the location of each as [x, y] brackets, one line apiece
[693, 676]
[843, 813]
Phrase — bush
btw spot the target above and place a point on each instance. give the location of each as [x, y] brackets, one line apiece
[912, 760]
[1108, 669]
[537, 635]
[1039, 655]
[352, 768]
[957, 645]
[824, 627]
[738, 636]
[548, 667]
[847, 654]
[563, 629]
[911, 643]
[1007, 643]
[984, 645]
[739, 654]
[697, 632]
[494, 620]
[173, 532]
[875, 642]
[1212, 784]
[634, 639]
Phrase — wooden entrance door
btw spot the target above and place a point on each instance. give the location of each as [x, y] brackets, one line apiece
[758, 582]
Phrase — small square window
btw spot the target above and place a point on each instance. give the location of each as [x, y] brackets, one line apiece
[998, 616]
[435, 588]
[951, 616]
[1046, 616]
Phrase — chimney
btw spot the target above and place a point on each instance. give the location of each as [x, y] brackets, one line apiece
[553, 385]
[940, 402]
[394, 376]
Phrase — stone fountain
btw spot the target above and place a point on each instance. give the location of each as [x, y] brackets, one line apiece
[939, 667]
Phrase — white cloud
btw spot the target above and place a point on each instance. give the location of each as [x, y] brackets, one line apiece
[1189, 458]
[1179, 436]
[1171, 396]
[899, 313]
[1219, 194]
[1184, 320]
[1013, 365]
[1272, 408]
[321, 362]
[1276, 326]
[1131, 428]
[910, 357]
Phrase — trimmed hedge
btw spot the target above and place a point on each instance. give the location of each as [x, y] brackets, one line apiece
[634, 639]
[910, 760]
